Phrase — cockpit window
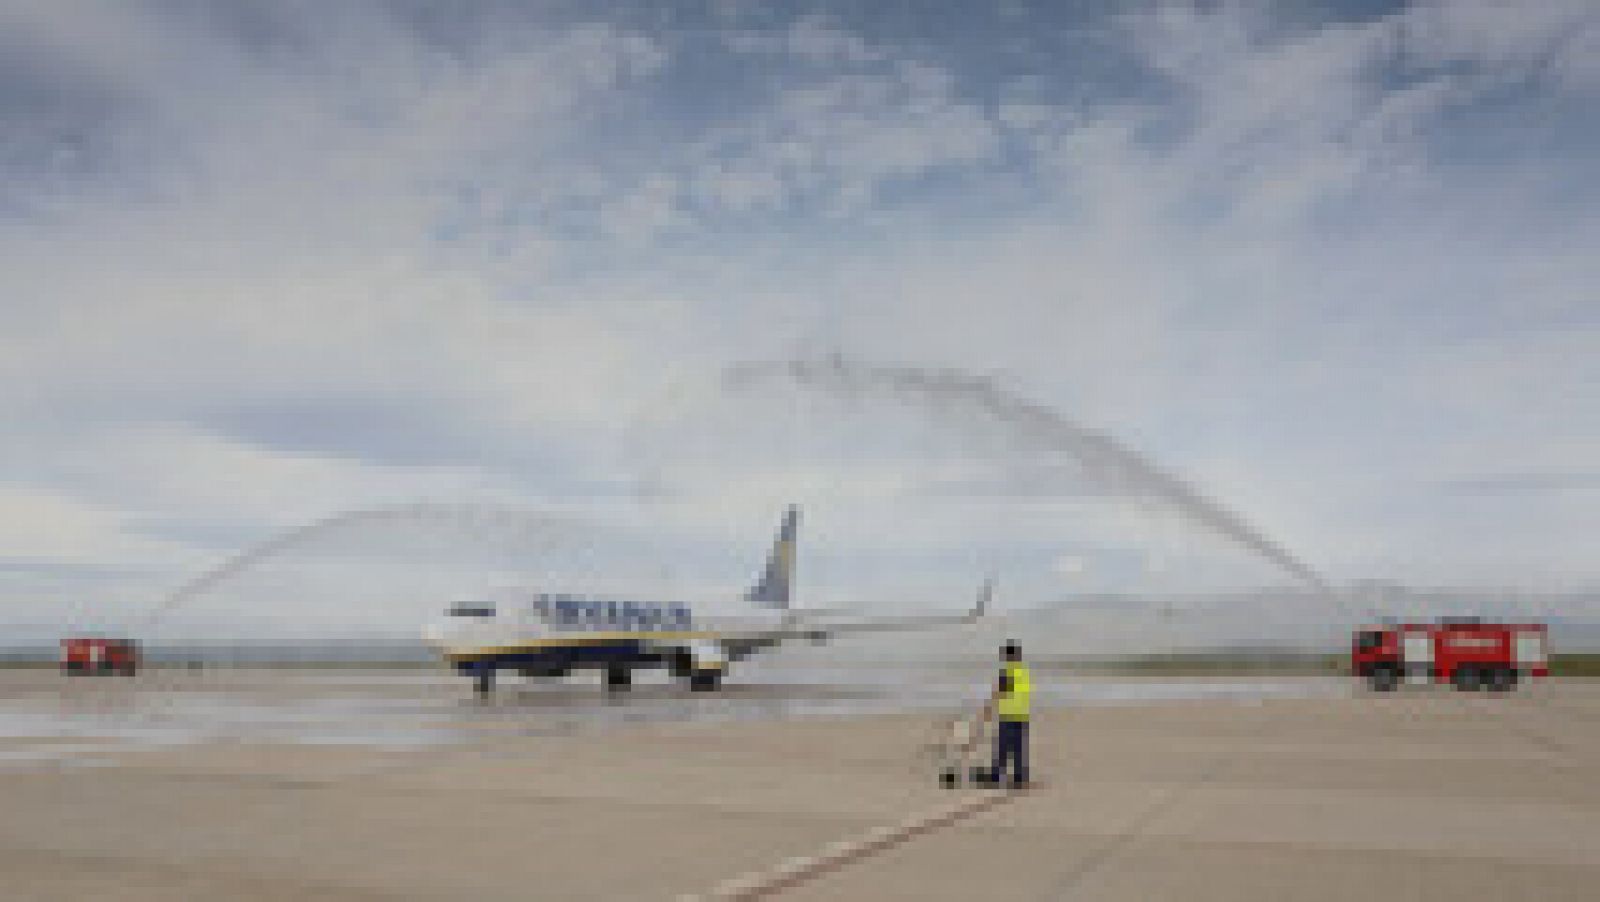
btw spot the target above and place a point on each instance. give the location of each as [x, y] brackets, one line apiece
[472, 609]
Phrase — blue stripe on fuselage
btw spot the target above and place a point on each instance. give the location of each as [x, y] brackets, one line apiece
[585, 654]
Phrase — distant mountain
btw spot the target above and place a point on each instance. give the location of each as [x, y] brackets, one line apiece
[1292, 620]
[1571, 635]
[340, 649]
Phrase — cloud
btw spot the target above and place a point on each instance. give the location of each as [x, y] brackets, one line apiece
[267, 261]
[859, 121]
[1538, 482]
[814, 38]
[42, 526]
[1551, 42]
[1070, 565]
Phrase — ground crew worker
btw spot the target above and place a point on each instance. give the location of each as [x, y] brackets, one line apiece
[1010, 703]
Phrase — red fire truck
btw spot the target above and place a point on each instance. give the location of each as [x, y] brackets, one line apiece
[1467, 653]
[94, 655]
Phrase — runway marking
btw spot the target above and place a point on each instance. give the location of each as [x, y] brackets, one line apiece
[835, 855]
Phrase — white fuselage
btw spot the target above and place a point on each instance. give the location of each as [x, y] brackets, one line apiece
[576, 630]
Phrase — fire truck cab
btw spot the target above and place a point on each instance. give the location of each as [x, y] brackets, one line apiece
[94, 655]
[1467, 653]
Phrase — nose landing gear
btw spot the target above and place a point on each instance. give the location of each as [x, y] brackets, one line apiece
[483, 679]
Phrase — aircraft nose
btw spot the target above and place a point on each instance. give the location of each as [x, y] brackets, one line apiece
[437, 634]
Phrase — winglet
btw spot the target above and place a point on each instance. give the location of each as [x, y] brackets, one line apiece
[985, 595]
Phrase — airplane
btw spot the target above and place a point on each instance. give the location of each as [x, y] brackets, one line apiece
[551, 635]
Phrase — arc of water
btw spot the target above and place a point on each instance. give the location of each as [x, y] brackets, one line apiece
[476, 517]
[1101, 455]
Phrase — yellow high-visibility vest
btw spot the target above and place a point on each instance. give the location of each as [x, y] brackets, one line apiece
[1014, 704]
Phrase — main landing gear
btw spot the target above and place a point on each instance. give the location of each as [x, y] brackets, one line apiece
[705, 680]
[618, 679]
[700, 679]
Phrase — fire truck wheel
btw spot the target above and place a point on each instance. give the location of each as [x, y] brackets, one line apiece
[1501, 679]
[1383, 679]
[1467, 679]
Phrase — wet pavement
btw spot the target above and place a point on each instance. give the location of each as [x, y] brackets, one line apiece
[46, 718]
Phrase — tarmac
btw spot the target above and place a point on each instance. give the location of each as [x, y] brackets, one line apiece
[1329, 794]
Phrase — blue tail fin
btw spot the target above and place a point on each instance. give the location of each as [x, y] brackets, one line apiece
[773, 589]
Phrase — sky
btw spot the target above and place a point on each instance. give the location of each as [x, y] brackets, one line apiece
[1331, 265]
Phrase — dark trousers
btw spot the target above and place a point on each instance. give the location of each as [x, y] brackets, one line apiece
[1011, 745]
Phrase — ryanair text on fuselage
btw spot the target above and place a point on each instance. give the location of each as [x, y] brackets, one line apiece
[577, 613]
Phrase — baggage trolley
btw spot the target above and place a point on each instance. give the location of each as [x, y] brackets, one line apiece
[957, 750]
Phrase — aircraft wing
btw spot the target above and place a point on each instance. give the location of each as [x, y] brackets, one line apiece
[801, 627]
